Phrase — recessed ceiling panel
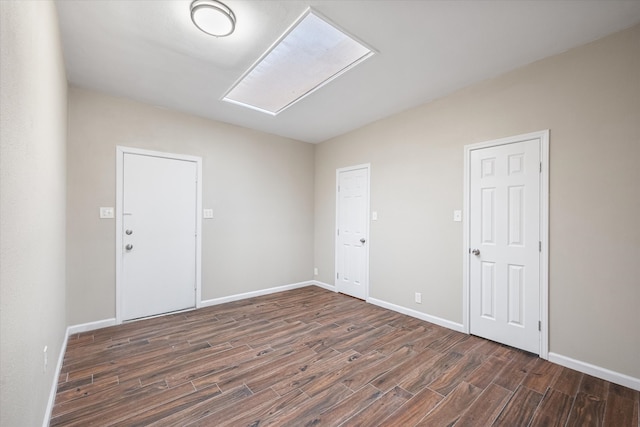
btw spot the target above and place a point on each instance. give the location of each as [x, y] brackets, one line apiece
[309, 55]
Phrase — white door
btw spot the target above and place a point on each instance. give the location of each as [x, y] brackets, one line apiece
[159, 208]
[504, 238]
[352, 233]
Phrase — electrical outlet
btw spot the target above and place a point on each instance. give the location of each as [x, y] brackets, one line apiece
[418, 297]
[315, 271]
[45, 359]
[106, 212]
[207, 213]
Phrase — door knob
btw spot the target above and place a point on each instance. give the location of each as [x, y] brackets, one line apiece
[129, 232]
[129, 247]
[476, 252]
[362, 240]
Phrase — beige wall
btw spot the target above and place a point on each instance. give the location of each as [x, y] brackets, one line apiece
[259, 186]
[589, 98]
[33, 120]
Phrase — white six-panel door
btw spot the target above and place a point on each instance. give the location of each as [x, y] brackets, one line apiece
[158, 235]
[352, 255]
[504, 243]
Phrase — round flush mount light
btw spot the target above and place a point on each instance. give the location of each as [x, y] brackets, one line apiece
[213, 17]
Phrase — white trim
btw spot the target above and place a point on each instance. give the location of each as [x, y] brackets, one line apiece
[120, 152]
[91, 326]
[74, 329]
[119, 194]
[543, 136]
[465, 243]
[596, 371]
[366, 166]
[54, 385]
[252, 294]
[418, 315]
[544, 238]
[323, 285]
[199, 233]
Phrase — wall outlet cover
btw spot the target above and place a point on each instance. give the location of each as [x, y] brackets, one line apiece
[106, 212]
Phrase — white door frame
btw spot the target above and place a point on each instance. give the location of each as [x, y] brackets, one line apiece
[120, 152]
[366, 166]
[543, 136]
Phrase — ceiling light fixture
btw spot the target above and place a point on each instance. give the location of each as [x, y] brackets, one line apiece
[213, 17]
[310, 54]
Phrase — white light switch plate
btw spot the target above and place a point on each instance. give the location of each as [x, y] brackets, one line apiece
[106, 213]
[374, 216]
[207, 213]
[457, 216]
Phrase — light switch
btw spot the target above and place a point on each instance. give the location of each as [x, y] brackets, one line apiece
[457, 216]
[106, 213]
[207, 213]
[374, 216]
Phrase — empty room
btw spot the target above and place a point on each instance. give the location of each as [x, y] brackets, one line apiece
[315, 212]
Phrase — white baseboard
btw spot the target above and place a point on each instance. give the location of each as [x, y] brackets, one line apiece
[98, 324]
[91, 326]
[584, 367]
[238, 297]
[54, 385]
[74, 329]
[596, 371]
[323, 285]
[419, 315]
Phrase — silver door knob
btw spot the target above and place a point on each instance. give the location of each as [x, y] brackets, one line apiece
[129, 247]
[128, 232]
[476, 252]
[362, 240]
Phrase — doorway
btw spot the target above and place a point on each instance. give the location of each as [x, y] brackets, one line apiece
[506, 243]
[157, 233]
[352, 231]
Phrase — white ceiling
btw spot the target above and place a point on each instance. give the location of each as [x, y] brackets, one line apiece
[150, 51]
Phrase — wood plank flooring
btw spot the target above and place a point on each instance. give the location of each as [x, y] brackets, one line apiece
[310, 357]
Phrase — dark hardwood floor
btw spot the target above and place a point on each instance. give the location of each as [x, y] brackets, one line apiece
[313, 357]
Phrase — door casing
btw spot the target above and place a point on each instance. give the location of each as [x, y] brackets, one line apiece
[366, 166]
[120, 152]
[543, 137]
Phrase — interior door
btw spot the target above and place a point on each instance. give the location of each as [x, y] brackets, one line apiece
[158, 235]
[352, 255]
[504, 237]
